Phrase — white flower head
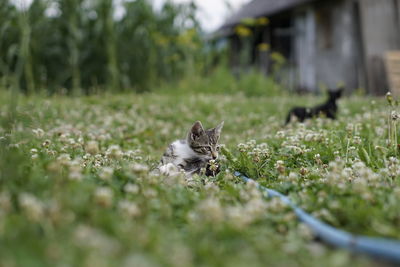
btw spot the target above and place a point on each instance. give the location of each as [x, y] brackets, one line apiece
[103, 196]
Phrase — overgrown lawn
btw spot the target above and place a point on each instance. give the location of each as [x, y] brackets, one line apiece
[75, 187]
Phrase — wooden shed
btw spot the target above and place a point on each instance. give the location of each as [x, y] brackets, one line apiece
[325, 42]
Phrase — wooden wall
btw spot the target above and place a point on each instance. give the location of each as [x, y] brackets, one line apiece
[304, 45]
[337, 41]
[380, 33]
[338, 45]
[327, 46]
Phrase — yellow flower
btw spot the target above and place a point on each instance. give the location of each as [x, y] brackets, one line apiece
[161, 40]
[242, 31]
[278, 58]
[248, 21]
[262, 21]
[263, 47]
[187, 38]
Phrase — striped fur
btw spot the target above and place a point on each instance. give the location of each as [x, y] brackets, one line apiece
[192, 154]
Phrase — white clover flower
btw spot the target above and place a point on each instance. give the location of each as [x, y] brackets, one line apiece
[106, 173]
[211, 187]
[305, 231]
[356, 140]
[129, 208]
[103, 196]
[211, 210]
[213, 165]
[367, 196]
[276, 205]
[32, 206]
[317, 158]
[229, 176]
[75, 175]
[393, 167]
[92, 147]
[150, 193]
[360, 185]
[293, 177]
[350, 128]
[64, 137]
[237, 217]
[255, 208]
[324, 214]
[139, 168]
[280, 166]
[131, 188]
[86, 156]
[280, 134]
[75, 169]
[38, 132]
[64, 159]
[394, 116]
[114, 151]
[303, 171]
[85, 236]
[71, 141]
[46, 143]
[379, 131]
[242, 147]
[252, 143]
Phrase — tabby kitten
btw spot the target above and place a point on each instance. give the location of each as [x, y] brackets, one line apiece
[192, 154]
[328, 109]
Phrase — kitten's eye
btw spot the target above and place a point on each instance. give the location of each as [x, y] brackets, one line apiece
[218, 147]
[206, 149]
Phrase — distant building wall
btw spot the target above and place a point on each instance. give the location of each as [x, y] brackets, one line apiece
[337, 45]
[380, 31]
[331, 42]
[304, 45]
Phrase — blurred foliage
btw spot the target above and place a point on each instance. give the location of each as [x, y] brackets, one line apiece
[81, 46]
[222, 81]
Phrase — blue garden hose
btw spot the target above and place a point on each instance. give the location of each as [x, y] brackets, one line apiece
[388, 249]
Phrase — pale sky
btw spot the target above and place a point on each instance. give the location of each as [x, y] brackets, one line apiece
[211, 13]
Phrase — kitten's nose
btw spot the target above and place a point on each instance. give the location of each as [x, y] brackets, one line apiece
[214, 155]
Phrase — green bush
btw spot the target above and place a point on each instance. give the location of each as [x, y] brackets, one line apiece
[222, 81]
[82, 47]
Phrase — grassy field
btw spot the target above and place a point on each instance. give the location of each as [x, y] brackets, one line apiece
[75, 188]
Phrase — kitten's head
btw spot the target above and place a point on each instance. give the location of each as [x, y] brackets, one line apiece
[205, 142]
[336, 94]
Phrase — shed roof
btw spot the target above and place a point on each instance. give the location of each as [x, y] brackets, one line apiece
[257, 8]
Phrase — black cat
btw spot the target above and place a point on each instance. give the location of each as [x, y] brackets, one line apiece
[328, 109]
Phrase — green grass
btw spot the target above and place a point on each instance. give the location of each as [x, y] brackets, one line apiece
[61, 205]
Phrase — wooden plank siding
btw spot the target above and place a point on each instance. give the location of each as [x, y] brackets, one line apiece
[393, 71]
[380, 32]
[304, 45]
[337, 45]
[326, 42]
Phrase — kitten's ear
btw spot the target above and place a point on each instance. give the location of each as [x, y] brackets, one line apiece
[197, 130]
[218, 129]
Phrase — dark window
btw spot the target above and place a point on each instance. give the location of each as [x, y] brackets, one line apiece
[325, 25]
